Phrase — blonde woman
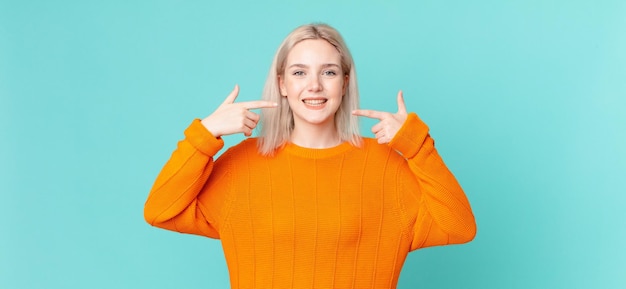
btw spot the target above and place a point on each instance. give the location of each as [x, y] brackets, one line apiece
[309, 203]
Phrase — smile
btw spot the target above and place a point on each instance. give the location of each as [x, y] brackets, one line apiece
[314, 102]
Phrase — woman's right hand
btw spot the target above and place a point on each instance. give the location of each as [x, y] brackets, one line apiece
[232, 118]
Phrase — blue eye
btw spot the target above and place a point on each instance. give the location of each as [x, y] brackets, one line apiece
[298, 73]
[330, 73]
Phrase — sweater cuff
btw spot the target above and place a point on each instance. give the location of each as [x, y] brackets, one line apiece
[409, 139]
[202, 139]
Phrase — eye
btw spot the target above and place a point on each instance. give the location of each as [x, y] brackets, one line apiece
[298, 73]
[330, 73]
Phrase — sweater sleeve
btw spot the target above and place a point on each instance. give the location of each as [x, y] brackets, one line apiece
[439, 211]
[173, 201]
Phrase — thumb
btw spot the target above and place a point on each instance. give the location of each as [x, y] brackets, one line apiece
[401, 105]
[232, 96]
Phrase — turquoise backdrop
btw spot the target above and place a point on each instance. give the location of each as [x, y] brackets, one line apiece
[525, 98]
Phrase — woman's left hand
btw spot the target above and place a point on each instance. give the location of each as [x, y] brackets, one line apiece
[389, 123]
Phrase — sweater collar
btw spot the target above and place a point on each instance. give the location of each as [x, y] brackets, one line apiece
[311, 153]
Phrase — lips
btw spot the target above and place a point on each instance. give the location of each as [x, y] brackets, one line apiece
[314, 101]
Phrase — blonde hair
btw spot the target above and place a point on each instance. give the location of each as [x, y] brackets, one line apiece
[277, 123]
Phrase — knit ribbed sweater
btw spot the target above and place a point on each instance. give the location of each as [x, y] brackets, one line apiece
[342, 217]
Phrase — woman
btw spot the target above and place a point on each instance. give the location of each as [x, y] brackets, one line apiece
[309, 203]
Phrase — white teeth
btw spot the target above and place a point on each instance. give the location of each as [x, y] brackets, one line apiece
[314, 101]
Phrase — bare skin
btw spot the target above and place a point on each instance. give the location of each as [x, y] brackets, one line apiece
[235, 117]
[232, 118]
[314, 85]
[390, 123]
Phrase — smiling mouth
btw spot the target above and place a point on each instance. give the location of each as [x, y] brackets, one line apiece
[314, 102]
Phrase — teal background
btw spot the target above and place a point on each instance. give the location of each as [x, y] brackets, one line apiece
[525, 99]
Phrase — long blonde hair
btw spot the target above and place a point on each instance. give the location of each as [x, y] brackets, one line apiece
[277, 123]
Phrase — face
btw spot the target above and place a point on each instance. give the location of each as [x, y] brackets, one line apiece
[313, 82]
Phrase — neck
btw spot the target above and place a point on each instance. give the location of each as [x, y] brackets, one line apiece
[315, 136]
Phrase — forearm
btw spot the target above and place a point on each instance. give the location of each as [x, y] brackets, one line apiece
[443, 201]
[183, 176]
[444, 215]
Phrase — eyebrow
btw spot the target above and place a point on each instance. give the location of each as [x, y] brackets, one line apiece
[306, 66]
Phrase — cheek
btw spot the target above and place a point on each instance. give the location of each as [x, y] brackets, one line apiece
[336, 88]
[294, 87]
[292, 91]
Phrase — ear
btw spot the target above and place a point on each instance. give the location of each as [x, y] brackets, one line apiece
[346, 81]
[281, 86]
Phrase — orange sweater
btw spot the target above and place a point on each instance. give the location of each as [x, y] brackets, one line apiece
[343, 217]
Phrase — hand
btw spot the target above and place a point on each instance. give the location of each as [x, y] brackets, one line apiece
[389, 123]
[232, 118]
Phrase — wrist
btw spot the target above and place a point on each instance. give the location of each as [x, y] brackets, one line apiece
[211, 128]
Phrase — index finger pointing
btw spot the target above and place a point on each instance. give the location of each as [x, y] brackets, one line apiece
[258, 104]
[369, 113]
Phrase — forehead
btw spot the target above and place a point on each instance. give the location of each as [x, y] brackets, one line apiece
[313, 51]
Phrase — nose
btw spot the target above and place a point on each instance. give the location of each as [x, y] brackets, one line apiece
[314, 83]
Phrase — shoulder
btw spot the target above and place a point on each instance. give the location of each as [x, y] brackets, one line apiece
[238, 157]
[374, 149]
[247, 147]
[385, 160]
[371, 145]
